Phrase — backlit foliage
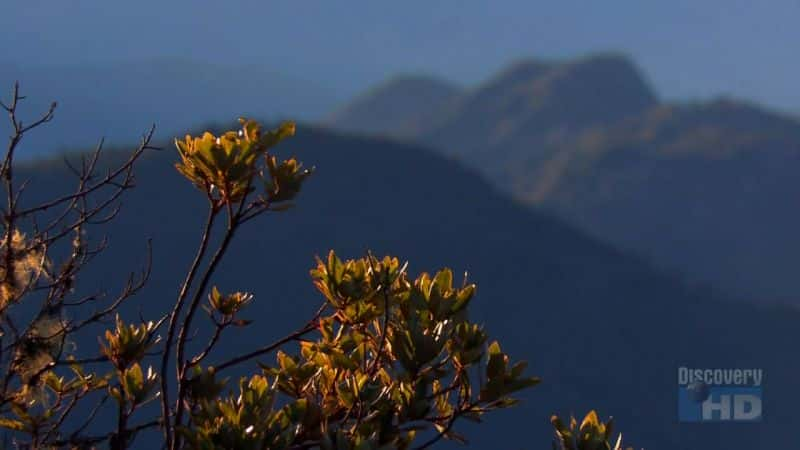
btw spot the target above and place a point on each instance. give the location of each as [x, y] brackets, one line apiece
[389, 361]
[128, 343]
[592, 434]
[224, 166]
[393, 358]
[44, 382]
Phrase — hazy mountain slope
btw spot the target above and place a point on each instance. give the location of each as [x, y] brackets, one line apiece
[539, 101]
[120, 100]
[707, 189]
[403, 107]
[601, 328]
[530, 103]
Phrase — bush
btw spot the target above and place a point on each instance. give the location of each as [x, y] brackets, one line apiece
[389, 361]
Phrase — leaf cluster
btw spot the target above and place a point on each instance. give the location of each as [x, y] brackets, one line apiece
[591, 434]
[389, 361]
[224, 166]
[395, 360]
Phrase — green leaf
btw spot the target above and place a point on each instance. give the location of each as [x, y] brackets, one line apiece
[11, 424]
[496, 366]
[271, 138]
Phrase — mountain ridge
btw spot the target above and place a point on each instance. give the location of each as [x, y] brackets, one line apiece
[430, 95]
[656, 178]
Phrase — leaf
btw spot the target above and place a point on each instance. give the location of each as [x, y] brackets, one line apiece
[271, 138]
[518, 368]
[496, 366]
[591, 420]
[443, 281]
[11, 424]
[285, 361]
[134, 376]
[462, 298]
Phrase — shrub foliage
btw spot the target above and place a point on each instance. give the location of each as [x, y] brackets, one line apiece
[389, 361]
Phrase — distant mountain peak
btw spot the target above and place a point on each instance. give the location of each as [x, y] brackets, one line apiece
[616, 60]
[588, 139]
[417, 81]
[599, 71]
[528, 95]
[523, 70]
[538, 103]
[400, 106]
[611, 78]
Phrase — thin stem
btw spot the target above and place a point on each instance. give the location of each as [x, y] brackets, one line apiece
[173, 321]
[93, 440]
[267, 349]
[211, 343]
[107, 180]
[183, 333]
[122, 422]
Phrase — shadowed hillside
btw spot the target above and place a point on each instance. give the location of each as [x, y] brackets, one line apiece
[706, 189]
[603, 329]
[711, 189]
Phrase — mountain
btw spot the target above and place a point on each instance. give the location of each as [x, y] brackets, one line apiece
[532, 98]
[601, 327]
[707, 189]
[400, 107]
[120, 100]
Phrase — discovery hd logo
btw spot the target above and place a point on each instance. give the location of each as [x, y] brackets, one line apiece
[719, 395]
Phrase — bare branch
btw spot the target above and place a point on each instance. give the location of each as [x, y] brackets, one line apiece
[296, 335]
[174, 316]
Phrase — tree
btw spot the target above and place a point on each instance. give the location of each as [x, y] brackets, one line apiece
[389, 360]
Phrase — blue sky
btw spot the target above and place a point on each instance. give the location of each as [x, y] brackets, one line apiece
[687, 49]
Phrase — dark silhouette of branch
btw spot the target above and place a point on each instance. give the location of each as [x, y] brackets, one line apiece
[174, 317]
[95, 201]
[183, 333]
[267, 349]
